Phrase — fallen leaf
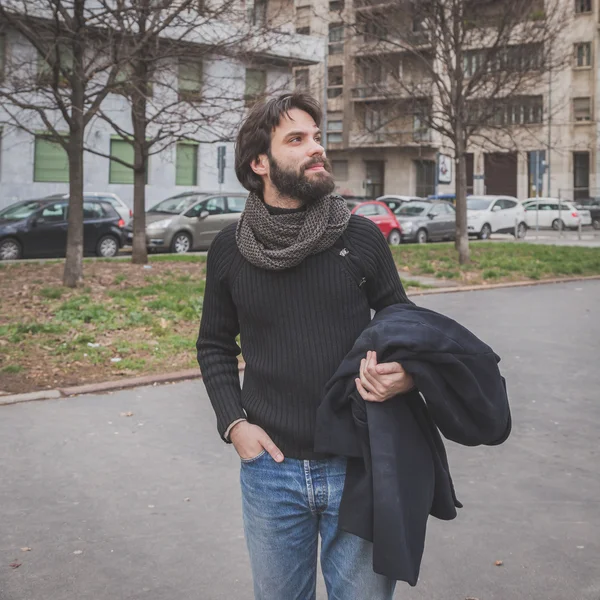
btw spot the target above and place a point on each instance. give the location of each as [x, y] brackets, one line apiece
[499, 563]
[26, 549]
[163, 323]
[78, 552]
[186, 499]
[471, 598]
[127, 414]
[15, 565]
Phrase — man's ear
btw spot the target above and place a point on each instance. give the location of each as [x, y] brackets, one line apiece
[260, 164]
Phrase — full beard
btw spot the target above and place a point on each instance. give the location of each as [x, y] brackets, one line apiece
[298, 186]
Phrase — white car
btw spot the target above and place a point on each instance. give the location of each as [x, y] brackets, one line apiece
[124, 211]
[549, 212]
[495, 214]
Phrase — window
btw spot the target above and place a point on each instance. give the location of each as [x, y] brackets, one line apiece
[50, 163]
[583, 6]
[93, 210]
[373, 117]
[335, 82]
[336, 38]
[48, 61]
[340, 169]
[186, 164]
[374, 29]
[302, 79]
[336, 5]
[335, 126]
[583, 54]
[335, 138]
[215, 206]
[190, 80]
[335, 131]
[303, 20]
[582, 109]
[53, 213]
[259, 13]
[236, 204]
[118, 172]
[256, 83]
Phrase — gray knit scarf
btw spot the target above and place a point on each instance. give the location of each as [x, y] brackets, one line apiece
[282, 241]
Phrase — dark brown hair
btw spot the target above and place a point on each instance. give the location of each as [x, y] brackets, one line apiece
[254, 137]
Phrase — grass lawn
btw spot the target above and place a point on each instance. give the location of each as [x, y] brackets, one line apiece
[129, 320]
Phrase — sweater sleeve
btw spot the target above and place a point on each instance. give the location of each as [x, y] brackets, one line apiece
[383, 286]
[217, 349]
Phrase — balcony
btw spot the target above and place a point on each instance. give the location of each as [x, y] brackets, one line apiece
[391, 138]
[387, 90]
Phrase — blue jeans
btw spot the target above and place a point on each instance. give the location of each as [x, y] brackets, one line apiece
[286, 507]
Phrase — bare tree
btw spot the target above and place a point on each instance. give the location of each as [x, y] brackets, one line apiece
[170, 96]
[470, 70]
[52, 79]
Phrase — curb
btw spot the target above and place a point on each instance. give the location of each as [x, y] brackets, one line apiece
[497, 286]
[132, 382]
[105, 386]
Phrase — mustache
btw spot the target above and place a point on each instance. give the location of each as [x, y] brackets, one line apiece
[324, 162]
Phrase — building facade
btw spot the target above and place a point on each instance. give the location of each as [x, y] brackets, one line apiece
[32, 166]
[557, 151]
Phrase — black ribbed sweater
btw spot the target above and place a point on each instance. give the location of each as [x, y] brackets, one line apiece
[296, 326]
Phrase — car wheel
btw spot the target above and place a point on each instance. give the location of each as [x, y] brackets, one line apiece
[558, 224]
[10, 249]
[182, 243]
[422, 236]
[485, 233]
[394, 239]
[596, 223]
[107, 246]
[521, 231]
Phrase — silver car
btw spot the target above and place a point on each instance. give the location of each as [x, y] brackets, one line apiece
[191, 221]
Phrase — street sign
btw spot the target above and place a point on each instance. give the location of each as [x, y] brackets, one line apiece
[221, 163]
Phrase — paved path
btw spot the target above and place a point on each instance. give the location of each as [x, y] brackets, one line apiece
[147, 506]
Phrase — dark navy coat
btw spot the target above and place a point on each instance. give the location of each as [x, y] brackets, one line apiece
[397, 469]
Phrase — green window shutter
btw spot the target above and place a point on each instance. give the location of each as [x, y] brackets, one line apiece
[256, 83]
[190, 80]
[119, 173]
[51, 163]
[186, 164]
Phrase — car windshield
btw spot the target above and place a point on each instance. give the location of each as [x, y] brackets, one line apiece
[478, 203]
[175, 205]
[412, 209]
[16, 212]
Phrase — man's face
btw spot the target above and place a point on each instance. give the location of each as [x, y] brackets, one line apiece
[297, 166]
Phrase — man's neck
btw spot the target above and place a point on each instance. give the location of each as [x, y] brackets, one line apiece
[273, 198]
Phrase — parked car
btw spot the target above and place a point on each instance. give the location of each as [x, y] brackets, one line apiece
[190, 221]
[427, 221]
[593, 205]
[36, 228]
[495, 214]
[383, 217]
[394, 201]
[551, 212]
[124, 211]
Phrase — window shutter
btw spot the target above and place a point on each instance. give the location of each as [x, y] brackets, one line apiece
[186, 168]
[256, 83]
[190, 79]
[51, 163]
[119, 173]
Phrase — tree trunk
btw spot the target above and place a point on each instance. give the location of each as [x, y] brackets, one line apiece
[462, 233]
[73, 273]
[138, 115]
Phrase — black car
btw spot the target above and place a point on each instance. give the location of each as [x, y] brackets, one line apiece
[593, 205]
[36, 228]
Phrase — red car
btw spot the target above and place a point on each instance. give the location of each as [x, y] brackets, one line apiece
[383, 217]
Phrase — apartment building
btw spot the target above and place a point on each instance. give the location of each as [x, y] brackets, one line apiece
[375, 153]
[33, 166]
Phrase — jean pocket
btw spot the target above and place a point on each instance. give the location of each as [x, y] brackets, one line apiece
[245, 461]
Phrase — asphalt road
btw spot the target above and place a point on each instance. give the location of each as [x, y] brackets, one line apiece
[147, 506]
